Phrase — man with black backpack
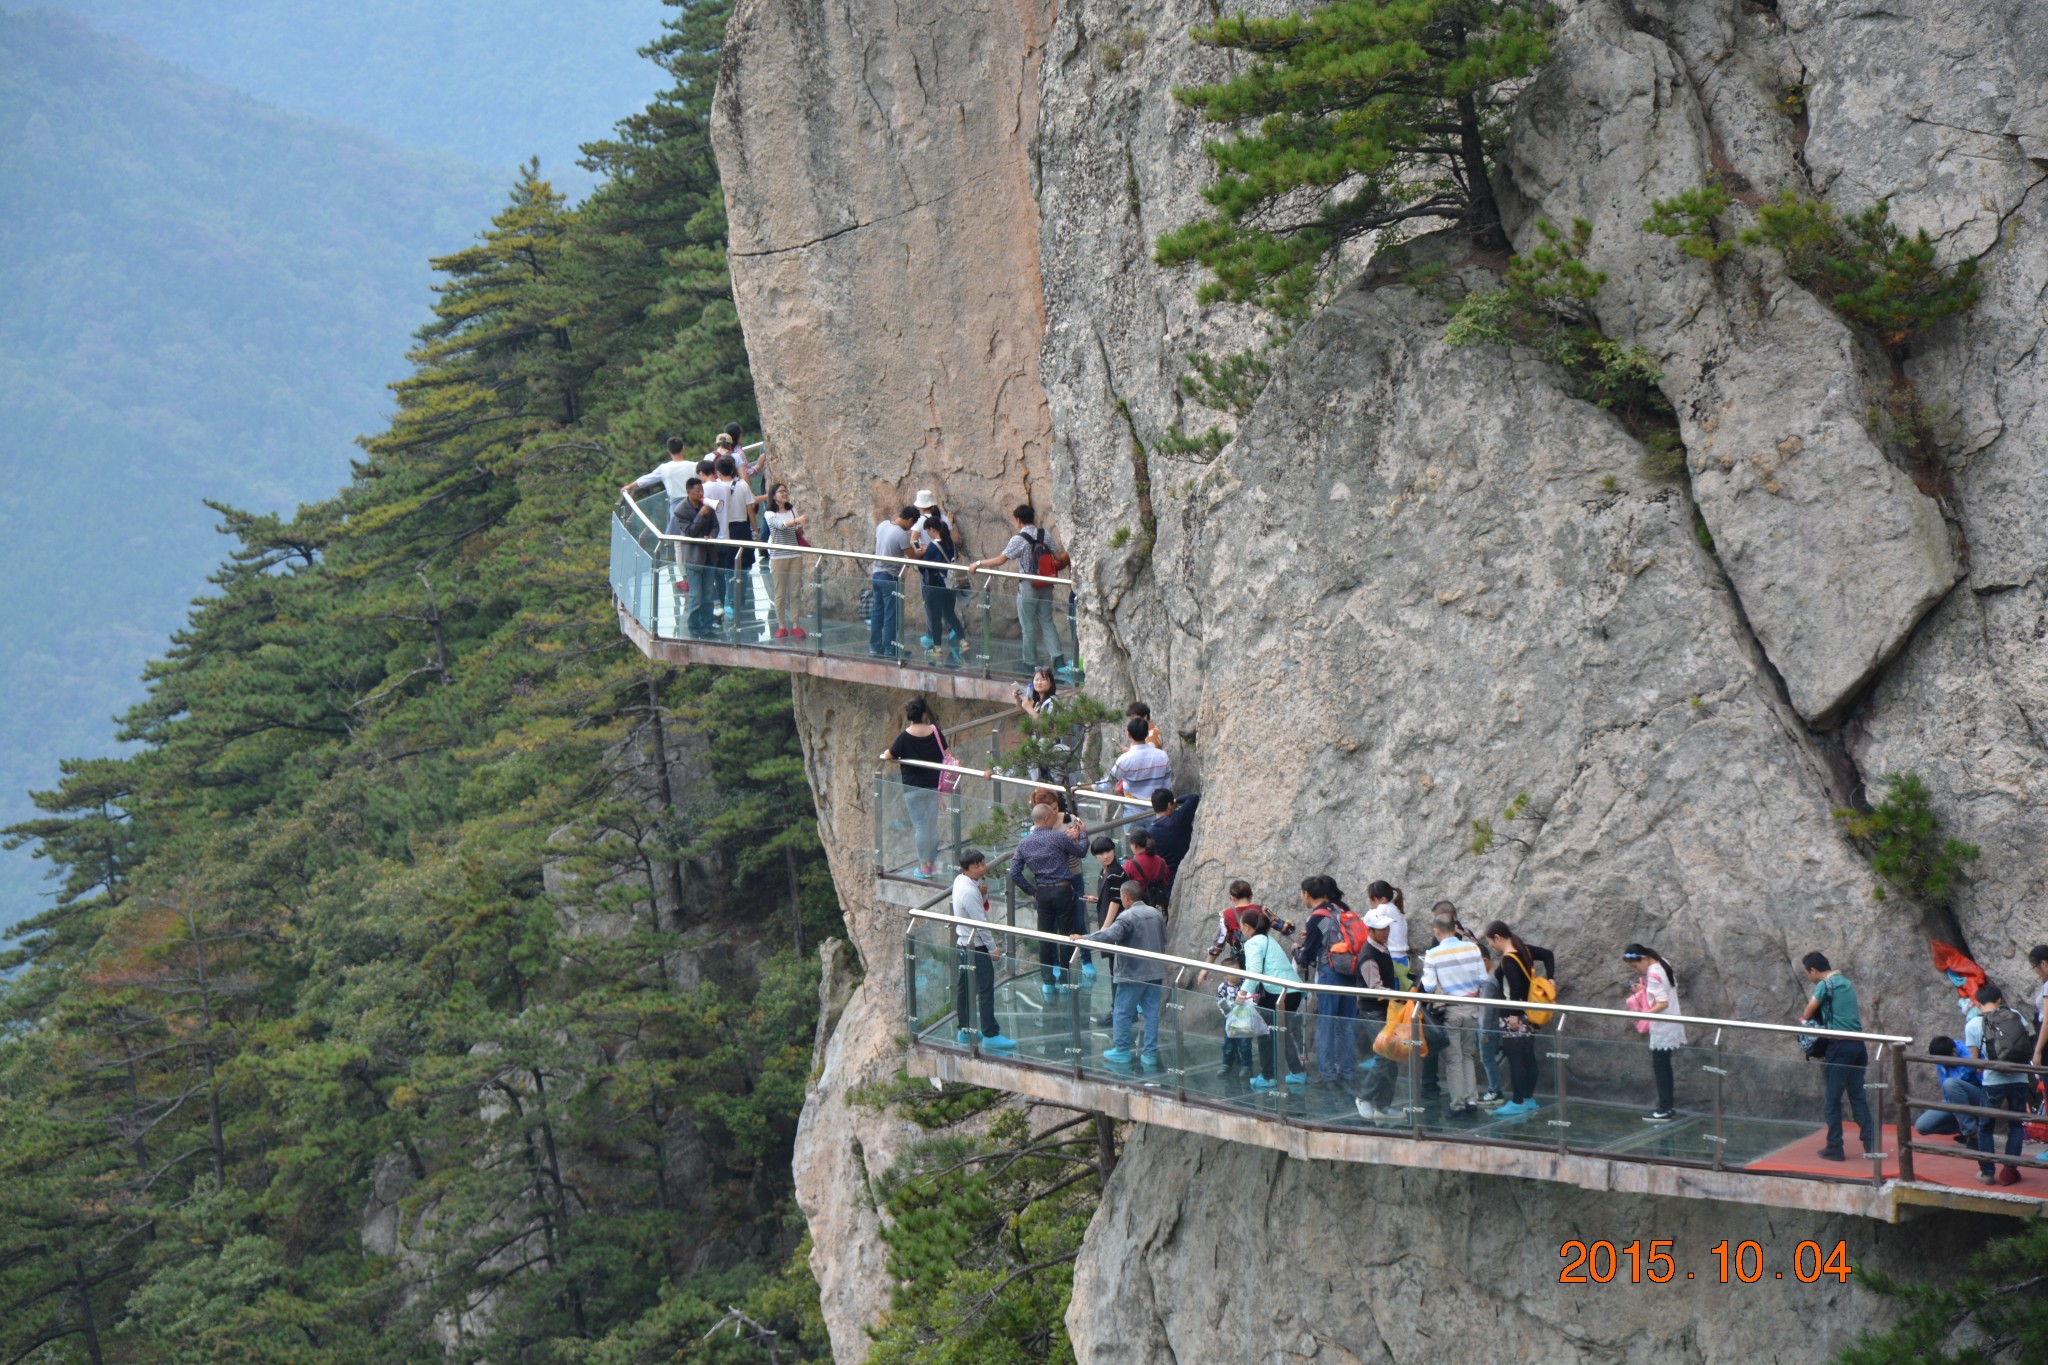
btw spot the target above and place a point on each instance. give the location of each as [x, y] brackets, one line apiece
[1035, 552]
[1843, 1060]
[1996, 1033]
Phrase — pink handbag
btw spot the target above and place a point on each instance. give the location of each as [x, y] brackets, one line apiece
[1639, 1001]
[948, 782]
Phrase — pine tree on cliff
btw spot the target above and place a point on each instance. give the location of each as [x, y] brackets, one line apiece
[1358, 116]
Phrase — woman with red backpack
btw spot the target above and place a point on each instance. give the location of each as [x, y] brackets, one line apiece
[1146, 868]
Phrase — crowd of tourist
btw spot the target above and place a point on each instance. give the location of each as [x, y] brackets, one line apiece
[1473, 1046]
[1994, 1031]
[714, 505]
[1472, 1043]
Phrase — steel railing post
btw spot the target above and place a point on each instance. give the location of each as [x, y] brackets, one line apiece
[1904, 1138]
[1074, 1026]
[966, 980]
[1876, 1158]
[1414, 1071]
[1719, 1071]
[1279, 1076]
[910, 981]
[818, 603]
[987, 654]
[1180, 1061]
[1563, 1121]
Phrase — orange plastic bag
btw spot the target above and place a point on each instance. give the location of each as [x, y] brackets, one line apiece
[1401, 1037]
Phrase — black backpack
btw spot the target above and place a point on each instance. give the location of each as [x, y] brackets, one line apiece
[2007, 1037]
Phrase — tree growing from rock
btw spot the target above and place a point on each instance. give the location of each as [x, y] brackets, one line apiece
[1358, 116]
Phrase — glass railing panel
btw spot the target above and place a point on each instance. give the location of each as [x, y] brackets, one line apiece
[919, 828]
[1748, 1104]
[1049, 1024]
[631, 570]
[931, 964]
[833, 606]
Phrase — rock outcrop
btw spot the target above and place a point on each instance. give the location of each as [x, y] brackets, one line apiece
[1836, 555]
[1417, 581]
[1418, 596]
[1953, 141]
[884, 249]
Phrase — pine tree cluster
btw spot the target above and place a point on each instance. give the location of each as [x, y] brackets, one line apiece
[381, 922]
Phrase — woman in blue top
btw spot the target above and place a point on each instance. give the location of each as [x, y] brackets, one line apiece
[1264, 954]
[941, 616]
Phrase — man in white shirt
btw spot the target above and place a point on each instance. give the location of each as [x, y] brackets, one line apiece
[1034, 600]
[977, 950]
[885, 582]
[673, 474]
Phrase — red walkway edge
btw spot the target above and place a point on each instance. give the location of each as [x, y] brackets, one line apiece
[1957, 1172]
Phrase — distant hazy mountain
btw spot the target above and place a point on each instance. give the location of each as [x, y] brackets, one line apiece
[200, 296]
[491, 81]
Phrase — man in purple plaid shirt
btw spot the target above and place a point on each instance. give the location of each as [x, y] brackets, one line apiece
[1046, 854]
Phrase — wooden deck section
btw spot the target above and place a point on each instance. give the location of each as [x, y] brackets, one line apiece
[906, 675]
[1889, 1202]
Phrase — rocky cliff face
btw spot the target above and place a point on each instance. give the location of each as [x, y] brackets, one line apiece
[1420, 580]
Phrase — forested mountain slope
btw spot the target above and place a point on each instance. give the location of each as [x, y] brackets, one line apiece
[200, 298]
[437, 981]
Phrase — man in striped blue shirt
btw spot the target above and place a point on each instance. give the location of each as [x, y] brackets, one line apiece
[1143, 769]
[1455, 968]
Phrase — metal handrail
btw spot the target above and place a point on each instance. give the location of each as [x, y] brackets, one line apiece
[994, 776]
[996, 862]
[662, 535]
[992, 718]
[1424, 997]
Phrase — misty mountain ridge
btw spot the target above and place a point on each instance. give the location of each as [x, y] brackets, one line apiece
[205, 298]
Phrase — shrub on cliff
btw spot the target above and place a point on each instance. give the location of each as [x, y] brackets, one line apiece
[982, 1234]
[1546, 304]
[1357, 116]
[1860, 264]
[1907, 847]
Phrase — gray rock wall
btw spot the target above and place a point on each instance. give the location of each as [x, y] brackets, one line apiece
[1419, 597]
[1234, 1253]
[1836, 555]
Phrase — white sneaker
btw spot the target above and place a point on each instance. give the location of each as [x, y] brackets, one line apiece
[1371, 1114]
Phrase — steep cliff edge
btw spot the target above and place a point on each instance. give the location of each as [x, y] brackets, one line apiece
[1421, 580]
[885, 265]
